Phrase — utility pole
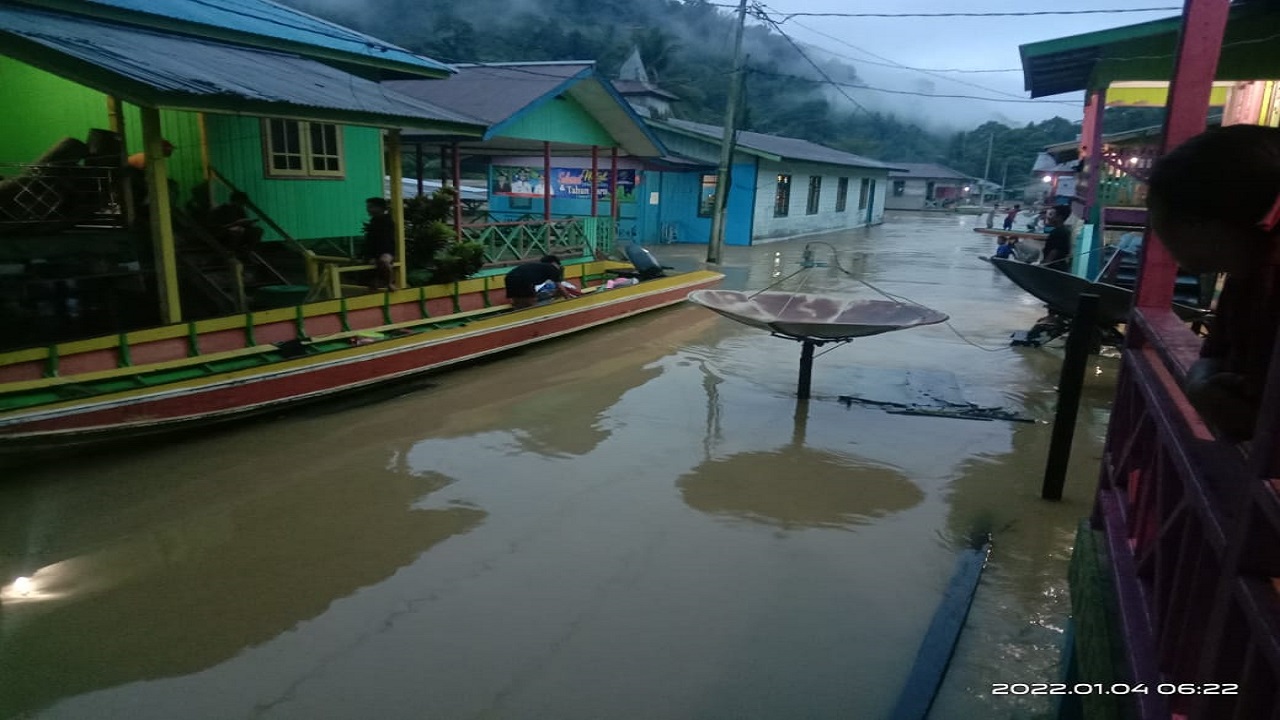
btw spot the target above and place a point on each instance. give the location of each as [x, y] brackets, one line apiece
[986, 172]
[716, 244]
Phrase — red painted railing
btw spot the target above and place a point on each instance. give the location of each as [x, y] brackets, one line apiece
[1194, 542]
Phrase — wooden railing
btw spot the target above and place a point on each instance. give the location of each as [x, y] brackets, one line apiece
[1190, 528]
[507, 241]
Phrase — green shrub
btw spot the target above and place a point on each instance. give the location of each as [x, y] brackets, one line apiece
[432, 251]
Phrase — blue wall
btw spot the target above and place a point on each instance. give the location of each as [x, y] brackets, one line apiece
[676, 219]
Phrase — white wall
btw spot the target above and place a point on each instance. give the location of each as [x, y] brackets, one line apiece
[798, 221]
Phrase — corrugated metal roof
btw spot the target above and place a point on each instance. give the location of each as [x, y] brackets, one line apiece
[168, 70]
[500, 93]
[638, 87]
[260, 18]
[779, 146]
[493, 93]
[926, 170]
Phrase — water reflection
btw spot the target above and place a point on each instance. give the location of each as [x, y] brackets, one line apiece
[554, 407]
[797, 486]
[154, 575]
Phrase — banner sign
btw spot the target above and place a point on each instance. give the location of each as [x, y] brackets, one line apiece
[566, 183]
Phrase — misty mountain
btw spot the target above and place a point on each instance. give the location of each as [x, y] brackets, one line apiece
[687, 48]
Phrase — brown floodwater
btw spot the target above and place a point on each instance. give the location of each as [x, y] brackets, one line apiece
[638, 522]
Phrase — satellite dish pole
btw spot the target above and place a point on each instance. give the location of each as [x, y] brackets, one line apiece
[720, 202]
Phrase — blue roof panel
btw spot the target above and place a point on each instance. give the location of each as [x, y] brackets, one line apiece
[187, 70]
[272, 20]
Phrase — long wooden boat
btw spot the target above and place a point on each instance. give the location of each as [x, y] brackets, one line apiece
[1061, 291]
[997, 232]
[214, 370]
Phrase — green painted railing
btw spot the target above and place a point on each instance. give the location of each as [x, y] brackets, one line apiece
[507, 241]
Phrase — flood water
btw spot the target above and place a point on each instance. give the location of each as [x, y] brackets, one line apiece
[637, 522]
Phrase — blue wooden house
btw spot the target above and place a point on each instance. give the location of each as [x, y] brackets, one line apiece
[779, 187]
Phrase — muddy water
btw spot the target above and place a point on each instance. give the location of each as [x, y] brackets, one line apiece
[638, 522]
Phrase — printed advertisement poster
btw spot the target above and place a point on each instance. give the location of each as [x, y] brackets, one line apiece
[567, 183]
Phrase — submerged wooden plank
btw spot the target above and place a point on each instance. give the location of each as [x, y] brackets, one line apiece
[944, 632]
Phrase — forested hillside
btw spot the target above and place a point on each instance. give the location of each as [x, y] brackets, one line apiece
[687, 49]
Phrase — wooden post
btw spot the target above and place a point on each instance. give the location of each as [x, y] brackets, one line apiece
[161, 218]
[115, 121]
[546, 188]
[444, 164]
[419, 165]
[1070, 382]
[206, 159]
[595, 174]
[457, 195]
[613, 187]
[1199, 44]
[1091, 150]
[396, 171]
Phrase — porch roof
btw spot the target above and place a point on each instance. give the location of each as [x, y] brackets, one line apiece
[159, 69]
[774, 147]
[501, 94]
[1146, 51]
[261, 23]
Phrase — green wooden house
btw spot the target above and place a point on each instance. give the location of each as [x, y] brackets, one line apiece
[565, 156]
[206, 99]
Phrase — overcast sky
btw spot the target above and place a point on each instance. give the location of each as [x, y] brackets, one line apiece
[954, 42]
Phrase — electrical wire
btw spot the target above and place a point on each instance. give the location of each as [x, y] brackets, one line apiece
[763, 15]
[899, 299]
[829, 81]
[1022, 13]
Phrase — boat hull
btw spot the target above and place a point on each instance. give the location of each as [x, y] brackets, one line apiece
[233, 395]
[1061, 291]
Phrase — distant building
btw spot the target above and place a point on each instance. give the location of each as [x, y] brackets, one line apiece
[634, 85]
[779, 187]
[920, 186]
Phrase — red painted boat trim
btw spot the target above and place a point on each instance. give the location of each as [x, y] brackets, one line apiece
[291, 382]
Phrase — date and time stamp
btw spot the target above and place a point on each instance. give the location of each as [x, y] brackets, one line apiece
[1115, 689]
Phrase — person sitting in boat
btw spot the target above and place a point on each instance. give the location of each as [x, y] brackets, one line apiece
[524, 280]
[380, 242]
[1004, 247]
[1057, 247]
[1214, 202]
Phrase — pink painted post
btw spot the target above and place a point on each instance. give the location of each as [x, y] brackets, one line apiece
[457, 195]
[613, 187]
[595, 173]
[546, 182]
[1091, 150]
[1203, 24]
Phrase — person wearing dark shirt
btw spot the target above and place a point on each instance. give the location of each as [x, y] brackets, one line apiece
[1011, 216]
[1057, 246]
[1214, 202]
[380, 242]
[523, 280]
[233, 227]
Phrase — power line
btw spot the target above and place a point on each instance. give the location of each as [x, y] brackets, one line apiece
[760, 12]
[892, 63]
[838, 85]
[1026, 13]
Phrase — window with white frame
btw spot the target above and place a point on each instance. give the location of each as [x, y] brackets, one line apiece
[296, 148]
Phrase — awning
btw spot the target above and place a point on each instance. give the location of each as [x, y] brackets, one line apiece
[1146, 51]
